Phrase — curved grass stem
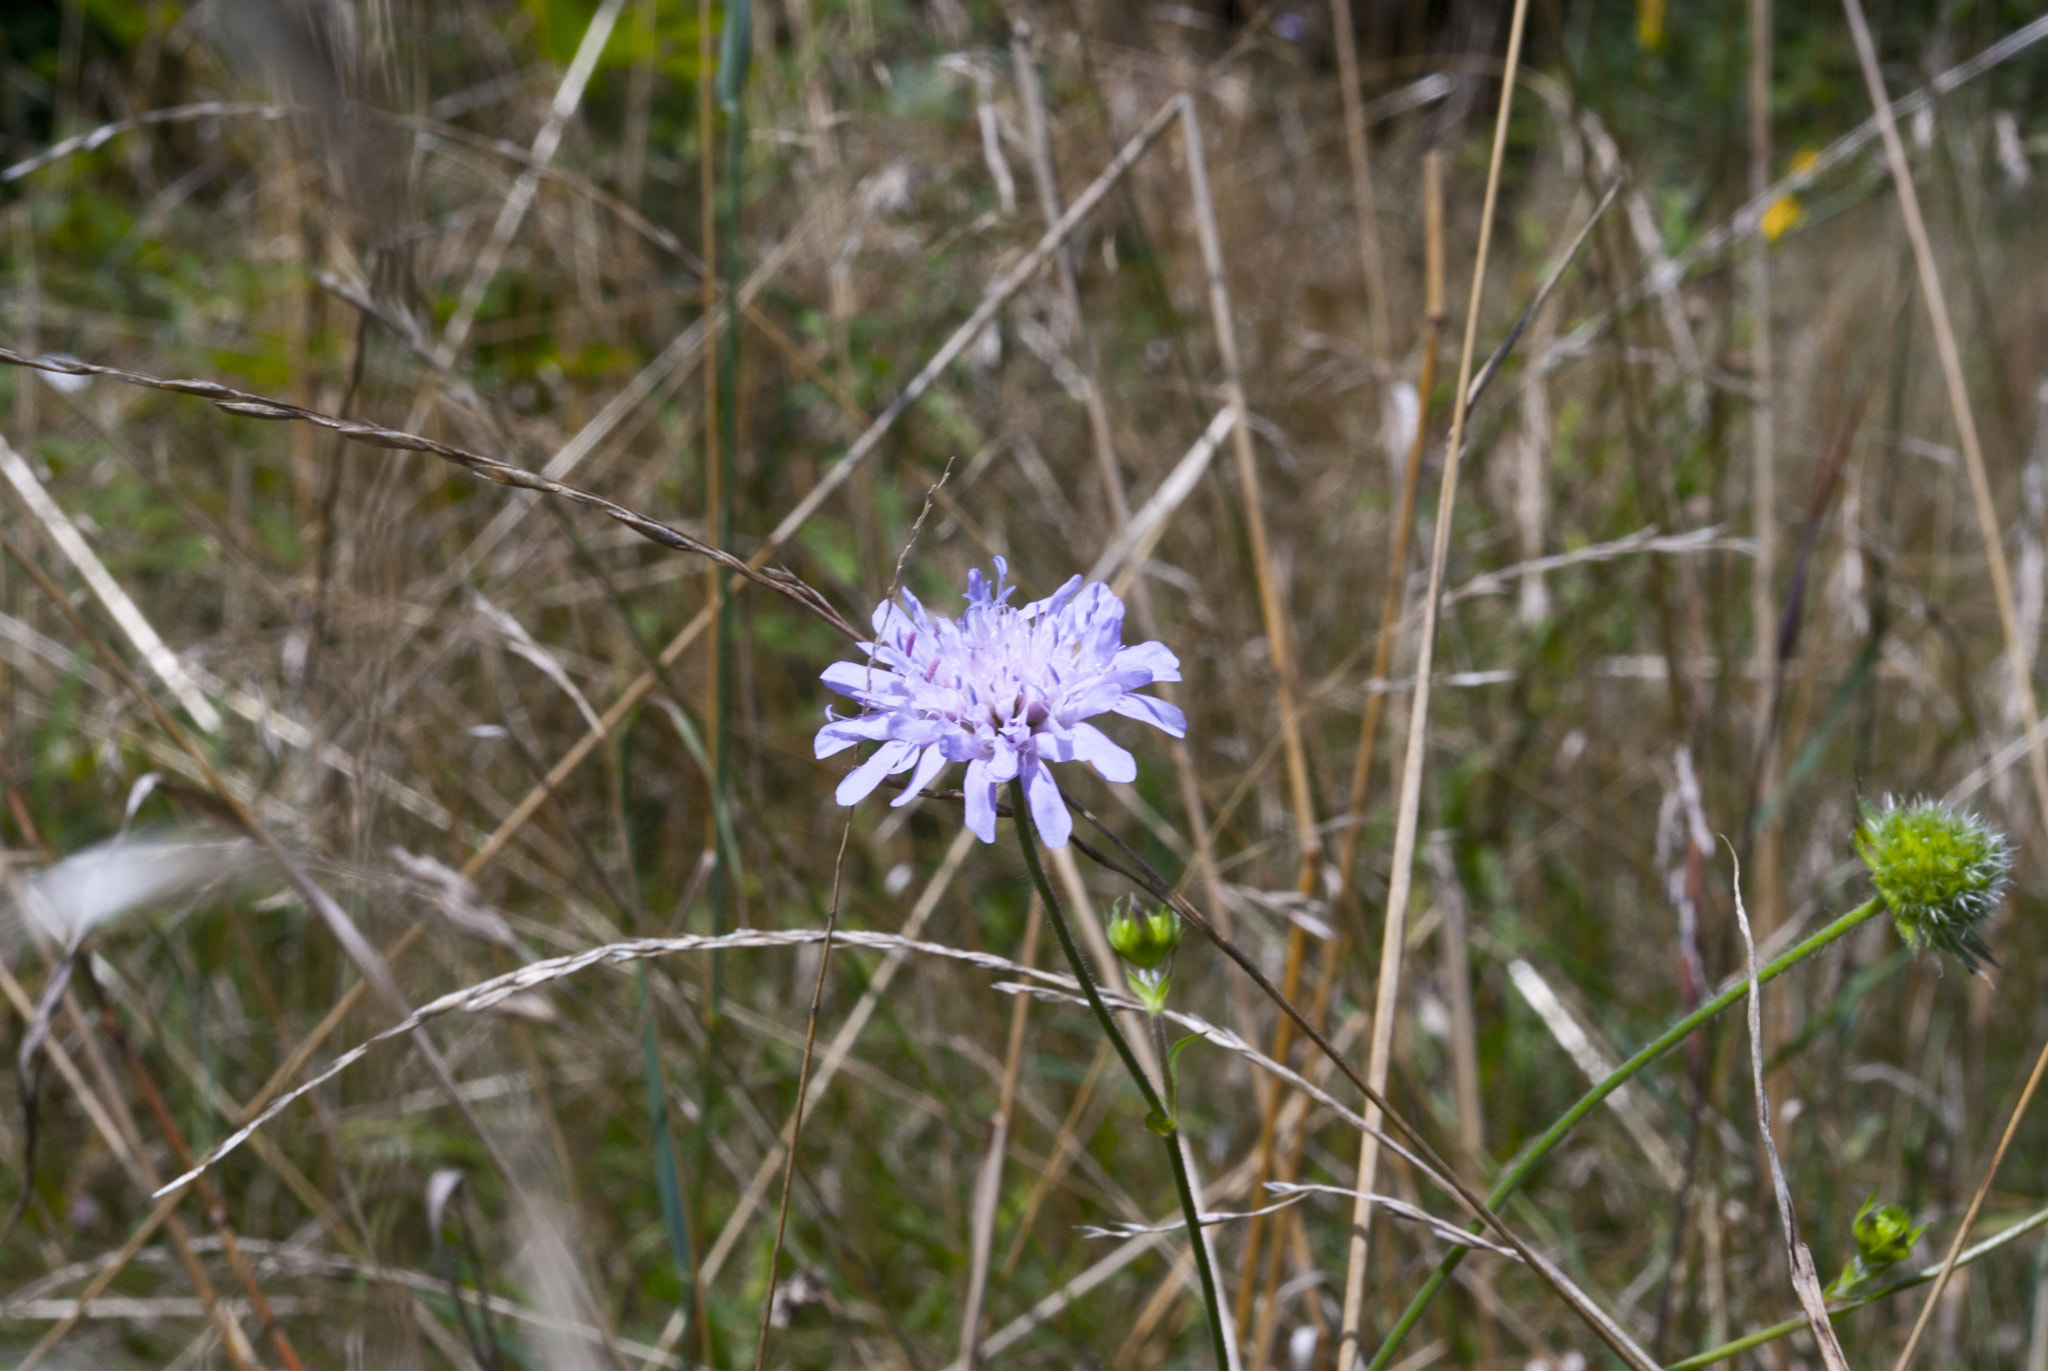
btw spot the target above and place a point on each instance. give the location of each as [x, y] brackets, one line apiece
[1533, 1155]
[1170, 1132]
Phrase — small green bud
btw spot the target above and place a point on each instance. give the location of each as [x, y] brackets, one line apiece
[1940, 870]
[1146, 941]
[1883, 1238]
[1884, 1235]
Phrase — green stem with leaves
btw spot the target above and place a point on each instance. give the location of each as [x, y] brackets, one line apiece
[1160, 1118]
[2037, 1219]
[1519, 1171]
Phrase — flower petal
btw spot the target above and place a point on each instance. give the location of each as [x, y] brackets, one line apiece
[859, 678]
[1003, 766]
[1055, 602]
[889, 759]
[1048, 811]
[1093, 746]
[1156, 658]
[1054, 744]
[915, 607]
[1157, 713]
[961, 746]
[929, 765]
[981, 802]
[840, 734]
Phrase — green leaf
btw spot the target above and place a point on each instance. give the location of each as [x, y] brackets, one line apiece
[666, 1183]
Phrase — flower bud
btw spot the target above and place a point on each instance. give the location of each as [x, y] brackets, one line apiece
[1884, 1235]
[1146, 941]
[1940, 870]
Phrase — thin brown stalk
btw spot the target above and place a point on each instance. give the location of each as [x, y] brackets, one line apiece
[1990, 529]
[1270, 1105]
[120, 607]
[1763, 437]
[1288, 1170]
[209, 1194]
[713, 466]
[1955, 1247]
[1065, 1148]
[1377, 313]
[1805, 1279]
[481, 465]
[1407, 817]
[162, 1216]
[512, 213]
[1441, 1172]
[1045, 176]
[1272, 612]
[28, 288]
[1457, 973]
[1180, 1274]
[1038, 139]
[1988, 522]
[1404, 516]
[836, 1055]
[139, 1171]
[1763, 485]
[988, 1185]
[369, 965]
[796, 1116]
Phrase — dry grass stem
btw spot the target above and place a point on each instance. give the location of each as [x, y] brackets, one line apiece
[1407, 815]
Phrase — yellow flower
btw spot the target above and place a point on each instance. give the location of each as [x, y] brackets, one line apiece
[1650, 24]
[1786, 213]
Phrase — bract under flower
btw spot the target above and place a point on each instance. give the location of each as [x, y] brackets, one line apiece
[1006, 690]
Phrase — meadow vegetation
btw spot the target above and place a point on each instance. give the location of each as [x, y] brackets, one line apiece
[443, 445]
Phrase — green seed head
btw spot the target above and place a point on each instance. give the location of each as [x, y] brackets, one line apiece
[1145, 940]
[1884, 1235]
[1940, 870]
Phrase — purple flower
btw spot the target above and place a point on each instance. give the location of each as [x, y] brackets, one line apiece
[1005, 690]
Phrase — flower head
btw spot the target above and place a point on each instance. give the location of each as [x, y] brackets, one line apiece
[1786, 213]
[1006, 690]
[1940, 870]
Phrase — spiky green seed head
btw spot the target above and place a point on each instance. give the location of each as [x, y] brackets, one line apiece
[1146, 940]
[1884, 1234]
[1940, 870]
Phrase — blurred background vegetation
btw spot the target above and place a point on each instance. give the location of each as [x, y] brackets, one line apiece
[487, 224]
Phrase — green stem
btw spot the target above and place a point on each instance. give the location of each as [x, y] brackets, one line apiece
[1918, 1278]
[735, 50]
[1189, 1207]
[1511, 1180]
